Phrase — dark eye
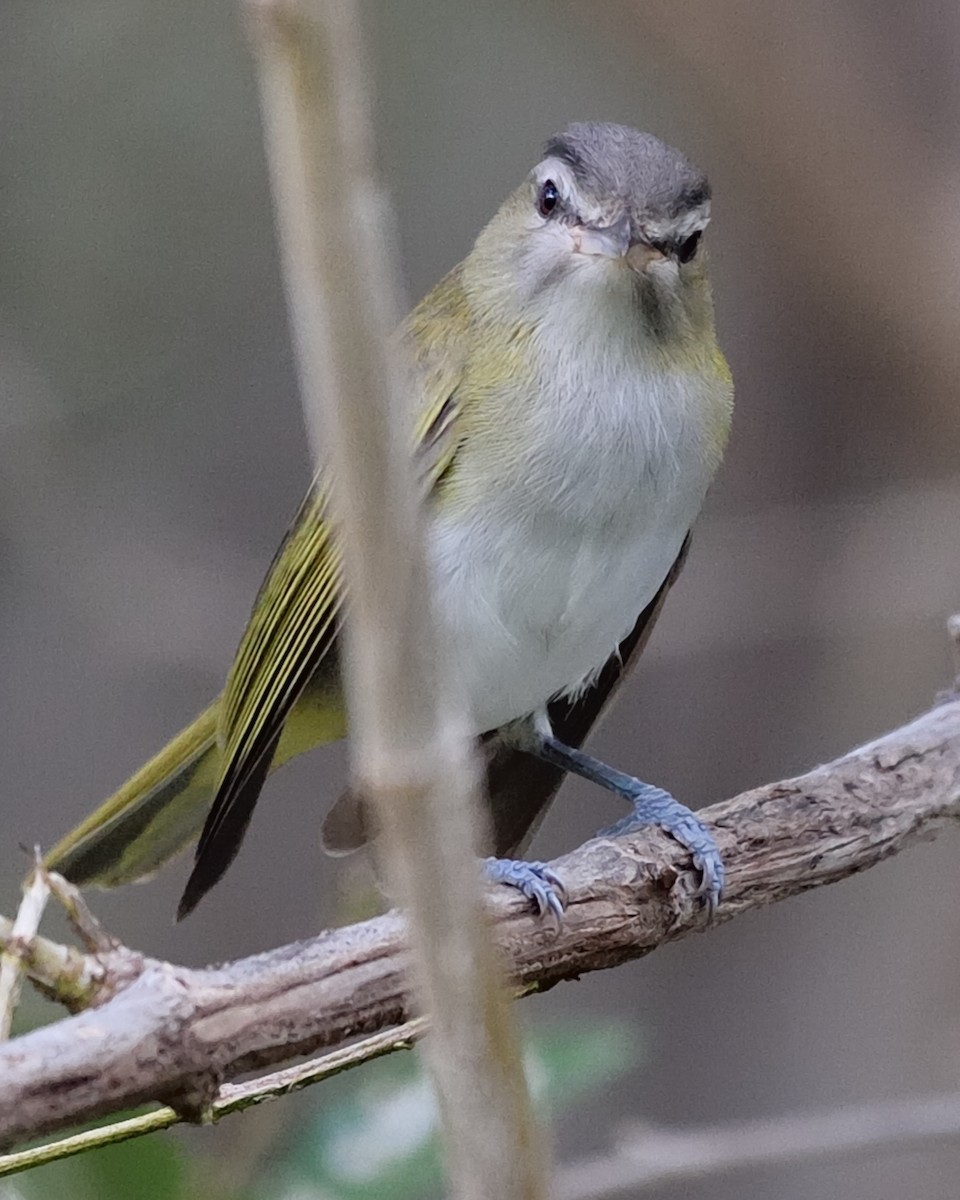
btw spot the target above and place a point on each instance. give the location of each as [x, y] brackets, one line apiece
[548, 198]
[688, 248]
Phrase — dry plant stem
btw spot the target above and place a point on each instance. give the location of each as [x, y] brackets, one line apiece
[652, 1158]
[63, 973]
[18, 945]
[233, 1097]
[411, 753]
[173, 1026]
[91, 933]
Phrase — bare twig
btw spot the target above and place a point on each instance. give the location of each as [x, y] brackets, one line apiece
[63, 973]
[19, 943]
[626, 897]
[92, 934]
[648, 1158]
[233, 1097]
[411, 753]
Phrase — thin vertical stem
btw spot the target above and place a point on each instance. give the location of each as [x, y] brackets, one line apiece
[412, 756]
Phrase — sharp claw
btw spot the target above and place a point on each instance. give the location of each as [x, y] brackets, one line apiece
[711, 887]
[654, 807]
[556, 883]
[651, 806]
[535, 881]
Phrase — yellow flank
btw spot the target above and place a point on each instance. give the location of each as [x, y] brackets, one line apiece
[318, 717]
[471, 367]
[723, 406]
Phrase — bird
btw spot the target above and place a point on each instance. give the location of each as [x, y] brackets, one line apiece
[572, 407]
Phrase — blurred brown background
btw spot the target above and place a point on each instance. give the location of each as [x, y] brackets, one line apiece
[152, 453]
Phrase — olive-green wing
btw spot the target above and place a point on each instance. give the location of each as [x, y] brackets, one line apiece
[292, 632]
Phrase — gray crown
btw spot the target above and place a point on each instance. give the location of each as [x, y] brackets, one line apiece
[637, 168]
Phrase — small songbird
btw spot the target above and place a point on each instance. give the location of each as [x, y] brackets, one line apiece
[572, 409]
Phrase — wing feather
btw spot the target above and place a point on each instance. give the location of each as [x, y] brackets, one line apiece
[296, 617]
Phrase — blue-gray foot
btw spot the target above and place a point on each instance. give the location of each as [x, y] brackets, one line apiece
[650, 806]
[534, 880]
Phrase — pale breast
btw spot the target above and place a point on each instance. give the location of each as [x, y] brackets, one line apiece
[554, 561]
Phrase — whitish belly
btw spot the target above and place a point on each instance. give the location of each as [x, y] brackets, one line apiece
[535, 610]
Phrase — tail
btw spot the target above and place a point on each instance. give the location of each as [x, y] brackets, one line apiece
[155, 815]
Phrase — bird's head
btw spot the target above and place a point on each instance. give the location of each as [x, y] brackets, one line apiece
[608, 212]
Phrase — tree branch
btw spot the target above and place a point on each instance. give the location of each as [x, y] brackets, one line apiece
[232, 1097]
[176, 1033]
[16, 946]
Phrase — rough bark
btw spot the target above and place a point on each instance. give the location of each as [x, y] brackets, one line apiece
[174, 1033]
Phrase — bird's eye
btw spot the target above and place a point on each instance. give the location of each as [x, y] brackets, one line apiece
[688, 247]
[548, 199]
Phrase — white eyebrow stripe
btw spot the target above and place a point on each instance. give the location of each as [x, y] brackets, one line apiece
[555, 169]
[579, 204]
[695, 220]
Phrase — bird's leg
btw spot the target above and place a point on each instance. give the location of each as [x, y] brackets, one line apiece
[650, 805]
